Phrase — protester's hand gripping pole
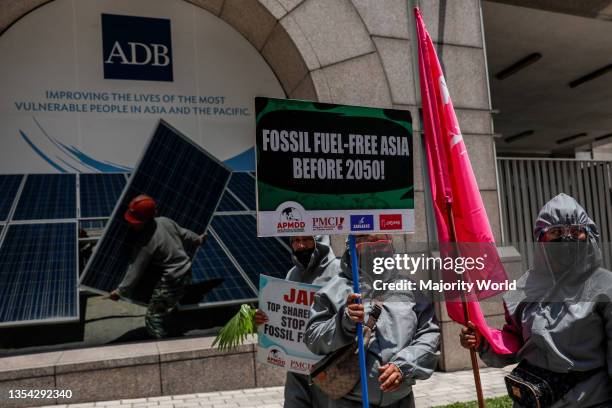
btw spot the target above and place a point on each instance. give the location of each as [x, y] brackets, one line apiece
[362, 362]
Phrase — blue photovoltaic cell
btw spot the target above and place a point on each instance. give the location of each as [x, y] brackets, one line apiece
[38, 273]
[243, 185]
[186, 183]
[229, 203]
[99, 193]
[211, 262]
[9, 185]
[255, 255]
[47, 196]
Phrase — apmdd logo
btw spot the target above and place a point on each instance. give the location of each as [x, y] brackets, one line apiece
[362, 222]
[275, 356]
[136, 48]
[390, 221]
[290, 220]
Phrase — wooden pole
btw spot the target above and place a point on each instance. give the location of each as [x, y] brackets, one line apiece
[466, 313]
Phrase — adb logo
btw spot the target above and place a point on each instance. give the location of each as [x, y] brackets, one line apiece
[362, 222]
[136, 48]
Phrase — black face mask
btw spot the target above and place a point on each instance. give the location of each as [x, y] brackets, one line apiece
[565, 253]
[304, 256]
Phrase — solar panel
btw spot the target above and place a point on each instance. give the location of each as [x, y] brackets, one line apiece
[187, 184]
[210, 263]
[9, 185]
[255, 255]
[99, 193]
[229, 203]
[46, 197]
[38, 273]
[243, 186]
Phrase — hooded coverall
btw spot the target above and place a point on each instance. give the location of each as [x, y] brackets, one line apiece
[406, 334]
[561, 311]
[322, 267]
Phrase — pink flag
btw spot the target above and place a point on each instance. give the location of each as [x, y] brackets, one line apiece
[453, 183]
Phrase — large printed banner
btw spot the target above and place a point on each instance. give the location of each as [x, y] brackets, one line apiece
[332, 169]
[281, 339]
[84, 83]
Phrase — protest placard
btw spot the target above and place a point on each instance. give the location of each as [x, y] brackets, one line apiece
[333, 169]
[281, 338]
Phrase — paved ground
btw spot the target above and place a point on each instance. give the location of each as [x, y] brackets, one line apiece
[441, 389]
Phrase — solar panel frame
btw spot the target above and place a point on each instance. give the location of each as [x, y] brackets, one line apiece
[50, 320]
[126, 191]
[10, 220]
[7, 200]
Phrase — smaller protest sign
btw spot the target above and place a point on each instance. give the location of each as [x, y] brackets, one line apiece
[281, 338]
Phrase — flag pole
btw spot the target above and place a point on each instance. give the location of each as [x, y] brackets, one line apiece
[356, 289]
[426, 101]
[466, 313]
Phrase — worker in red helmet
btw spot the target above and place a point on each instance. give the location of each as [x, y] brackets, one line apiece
[164, 246]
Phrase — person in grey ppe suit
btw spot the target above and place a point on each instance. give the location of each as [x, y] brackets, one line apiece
[404, 344]
[314, 263]
[561, 313]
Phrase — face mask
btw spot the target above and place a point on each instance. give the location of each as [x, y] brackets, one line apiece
[304, 256]
[565, 254]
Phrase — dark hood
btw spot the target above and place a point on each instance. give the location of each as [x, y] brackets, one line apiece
[563, 210]
[322, 257]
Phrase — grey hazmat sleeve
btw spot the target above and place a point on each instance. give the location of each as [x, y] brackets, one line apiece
[329, 327]
[139, 261]
[418, 360]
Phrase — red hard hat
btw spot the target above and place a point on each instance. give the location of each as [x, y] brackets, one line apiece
[140, 210]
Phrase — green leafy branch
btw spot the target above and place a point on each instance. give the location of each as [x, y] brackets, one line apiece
[237, 330]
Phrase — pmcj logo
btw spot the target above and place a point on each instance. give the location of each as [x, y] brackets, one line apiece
[136, 48]
[362, 222]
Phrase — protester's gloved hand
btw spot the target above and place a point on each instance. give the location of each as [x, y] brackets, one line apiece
[390, 377]
[355, 311]
[470, 337]
[260, 317]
